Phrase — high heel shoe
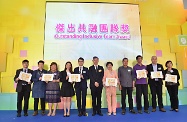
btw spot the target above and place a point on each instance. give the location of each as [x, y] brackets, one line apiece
[53, 114]
[49, 114]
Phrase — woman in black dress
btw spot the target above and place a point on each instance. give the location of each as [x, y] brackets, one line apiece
[67, 90]
[172, 87]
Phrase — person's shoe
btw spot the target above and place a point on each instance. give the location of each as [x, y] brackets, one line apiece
[25, 114]
[100, 114]
[140, 111]
[18, 114]
[123, 112]
[171, 109]
[154, 110]
[35, 113]
[132, 111]
[114, 113]
[43, 112]
[94, 113]
[67, 115]
[109, 114]
[146, 111]
[80, 114]
[162, 110]
[176, 110]
[84, 113]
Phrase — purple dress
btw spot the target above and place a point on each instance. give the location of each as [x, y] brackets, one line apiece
[53, 89]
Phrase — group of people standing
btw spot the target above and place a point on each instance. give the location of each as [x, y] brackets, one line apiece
[50, 91]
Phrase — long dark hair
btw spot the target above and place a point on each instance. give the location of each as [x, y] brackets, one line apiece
[54, 63]
[71, 68]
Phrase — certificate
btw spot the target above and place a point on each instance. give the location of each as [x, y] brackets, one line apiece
[157, 74]
[47, 77]
[141, 73]
[74, 78]
[171, 78]
[25, 76]
[111, 82]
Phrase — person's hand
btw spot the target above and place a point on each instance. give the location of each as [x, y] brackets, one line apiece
[120, 87]
[82, 76]
[133, 84]
[54, 81]
[138, 78]
[96, 84]
[146, 72]
[40, 78]
[17, 79]
[29, 82]
[47, 81]
[67, 77]
[151, 77]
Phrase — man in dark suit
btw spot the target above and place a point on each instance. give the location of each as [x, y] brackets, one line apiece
[81, 87]
[96, 74]
[23, 89]
[155, 84]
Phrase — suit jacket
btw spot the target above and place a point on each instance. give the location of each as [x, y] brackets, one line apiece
[175, 72]
[85, 73]
[20, 82]
[150, 69]
[96, 76]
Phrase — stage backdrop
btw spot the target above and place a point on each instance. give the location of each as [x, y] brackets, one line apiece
[27, 28]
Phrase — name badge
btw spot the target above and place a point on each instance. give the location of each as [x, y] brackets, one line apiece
[159, 68]
[83, 71]
[171, 71]
[129, 70]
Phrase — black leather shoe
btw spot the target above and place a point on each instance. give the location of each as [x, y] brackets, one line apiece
[18, 114]
[80, 114]
[25, 114]
[100, 114]
[140, 111]
[146, 111]
[132, 111]
[123, 112]
[94, 113]
[162, 110]
[35, 113]
[43, 112]
[84, 113]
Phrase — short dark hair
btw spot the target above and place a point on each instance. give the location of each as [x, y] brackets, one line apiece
[138, 56]
[125, 59]
[54, 63]
[109, 63]
[25, 61]
[95, 57]
[168, 62]
[81, 59]
[40, 61]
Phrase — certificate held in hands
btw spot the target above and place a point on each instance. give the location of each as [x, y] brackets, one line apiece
[25, 76]
[111, 82]
[171, 78]
[47, 77]
[141, 73]
[157, 74]
[74, 78]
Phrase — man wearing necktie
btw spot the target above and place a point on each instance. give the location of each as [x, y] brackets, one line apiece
[155, 84]
[96, 74]
[81, 87]
[23, 89]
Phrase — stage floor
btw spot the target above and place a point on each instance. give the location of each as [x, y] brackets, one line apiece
[169, 116]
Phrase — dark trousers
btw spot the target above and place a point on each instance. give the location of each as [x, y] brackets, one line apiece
[156, 90]
[96, 99]
[142, 89]
[24, 94]
[128, 91]
[173, 93]
[42, 102]
[81, 96]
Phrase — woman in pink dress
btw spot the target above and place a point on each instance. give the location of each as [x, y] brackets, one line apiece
[110, 90]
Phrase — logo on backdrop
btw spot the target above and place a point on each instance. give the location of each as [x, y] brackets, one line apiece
[92, 31]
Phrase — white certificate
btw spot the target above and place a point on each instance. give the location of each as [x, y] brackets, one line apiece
[171, 78]
[47, 77]
[25, 76]
[111, 82]
[141, 73]
[157, 74]
[74, 78]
